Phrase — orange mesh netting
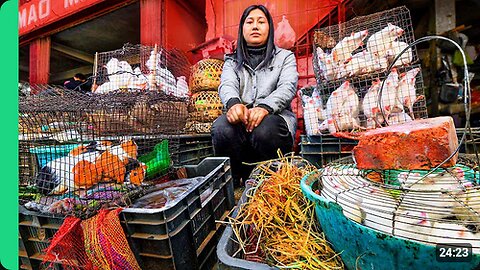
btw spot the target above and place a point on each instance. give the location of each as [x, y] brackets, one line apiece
[98, 243]
[67, 247]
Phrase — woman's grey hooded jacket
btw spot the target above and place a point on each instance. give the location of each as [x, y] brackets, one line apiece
[274, 85]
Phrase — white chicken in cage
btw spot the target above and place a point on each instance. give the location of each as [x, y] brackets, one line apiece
[406, 92]
[161, 76]
[138, 81]
[311, 114]
[328, 68]
[361, 63]
[399, 118]
[371, 106]
[389, 102]
[343, 50]
[125, 74]
[182, 87]
[342, 109]
[119, 73]
[381, 41]
[450, 232]
[396, 47]
[412, 224]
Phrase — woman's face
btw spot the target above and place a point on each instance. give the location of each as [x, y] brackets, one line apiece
[255, 28]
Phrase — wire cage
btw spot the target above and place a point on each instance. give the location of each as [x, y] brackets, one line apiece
[141, 67]
[442, 207]
[358, 84]
[82, 151]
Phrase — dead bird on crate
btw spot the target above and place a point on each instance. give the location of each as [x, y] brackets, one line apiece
[87, 165]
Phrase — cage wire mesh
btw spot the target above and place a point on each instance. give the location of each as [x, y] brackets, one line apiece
[85, 151]
[141, 67]
[443, 207]
[356, 89]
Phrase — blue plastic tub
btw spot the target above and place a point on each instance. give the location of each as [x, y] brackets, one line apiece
[365, 248]
[48, 153]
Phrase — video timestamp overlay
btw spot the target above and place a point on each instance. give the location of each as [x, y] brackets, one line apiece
[458, 252]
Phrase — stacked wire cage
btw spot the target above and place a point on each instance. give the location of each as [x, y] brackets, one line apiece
[205, 105]
[398, 218]
[359, 87]
[105, 147]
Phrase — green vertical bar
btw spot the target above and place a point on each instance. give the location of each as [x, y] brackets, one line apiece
[9, 134]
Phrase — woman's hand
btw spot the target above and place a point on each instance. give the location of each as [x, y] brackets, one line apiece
[255, 117]
[238, 113]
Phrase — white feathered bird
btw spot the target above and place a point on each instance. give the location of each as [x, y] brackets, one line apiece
[396, 48]
[406, 92]
[139, 80]
[343, 50]
[125, 74]
[327, 66]
[389, 101]
[113, 70]
[371, 106]
[182, 87]
[342, 109]
[381, 41]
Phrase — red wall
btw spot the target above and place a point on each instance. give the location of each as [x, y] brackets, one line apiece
[183, 30]
[301, 14]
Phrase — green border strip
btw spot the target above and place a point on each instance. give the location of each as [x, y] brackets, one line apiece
[9, 135]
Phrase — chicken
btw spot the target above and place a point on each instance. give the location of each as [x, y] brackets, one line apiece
[356, 64]
[126, 74]
[398, 118]
[327, 67]
[410, 224]
[451, 233]
[166, 81]
[153, 61]
[362, 63]
[139, 80]
[343, 50]
[113, 70]
[406, 92]
[310, 116]
[381, 41]
[343, 107]
[389, 101]
[395, 49]
[370, 104]
[87, 166]
[182, 87]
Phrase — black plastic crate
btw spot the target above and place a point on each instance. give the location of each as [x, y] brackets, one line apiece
[190, 149]
[322, 149]
[182, 236]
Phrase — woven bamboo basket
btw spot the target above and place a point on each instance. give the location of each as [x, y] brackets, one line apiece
[198, 127]
[206, 75]
[206, 106]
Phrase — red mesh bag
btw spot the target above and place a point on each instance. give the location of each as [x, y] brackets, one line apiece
[96, 243]
[67, 247]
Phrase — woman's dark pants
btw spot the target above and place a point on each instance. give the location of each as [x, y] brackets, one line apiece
[241, 146]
